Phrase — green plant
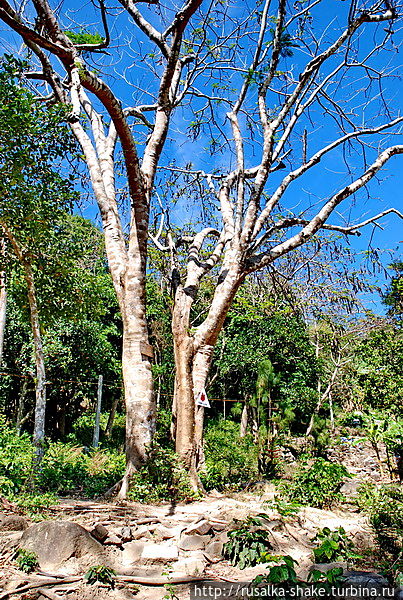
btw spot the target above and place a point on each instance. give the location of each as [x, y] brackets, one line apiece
[162, 478]
[67, 469]
[317, 484]
[248, 543]
[27, 561]
[333, 546]
[384, 505]
[170, 592]
[102, 574]
[231, 460]
[281, 572]
[284, 508]
[34, 504]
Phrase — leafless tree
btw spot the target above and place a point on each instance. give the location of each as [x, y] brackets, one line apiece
[282, 119]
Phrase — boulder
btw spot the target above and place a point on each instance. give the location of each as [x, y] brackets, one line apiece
[193, 565]
[201, 528]
[55, 542]
[13, 523]
[376, 584]
[160, 553]
[194, 542]
[214, 551]
[100, 532]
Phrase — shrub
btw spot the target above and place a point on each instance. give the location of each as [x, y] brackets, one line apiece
[162, 478]
[16, 453]
[333, 546]
[26, 561]
[248, 543]
[83, 430]
[231, 461]
[67, 469]
[384, 505]
[317, 484]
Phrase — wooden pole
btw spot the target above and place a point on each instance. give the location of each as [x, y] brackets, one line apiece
[95, 440]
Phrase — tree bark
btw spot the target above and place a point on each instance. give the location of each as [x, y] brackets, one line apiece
[3, 302]
[40, 383]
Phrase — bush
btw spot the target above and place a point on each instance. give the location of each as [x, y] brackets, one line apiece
[163, 478]
[67, 469]
[384, 505]
[16, 453]
[83, 430]
[333, 546]
[248, 543]
[317, 484]
[231, 461]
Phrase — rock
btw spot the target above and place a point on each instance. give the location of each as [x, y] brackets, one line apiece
[365, 580]
[132, 552]
[166, 533]
[214, 551]
[350, 487]
[201, 527]
[113, 540]
[219, 526]
[160, 552]
[54, 542]
[192, 565]
[325, 567]
[194, 542]
[13, 523]
[142, 531]
[126, 534]
[100, 532]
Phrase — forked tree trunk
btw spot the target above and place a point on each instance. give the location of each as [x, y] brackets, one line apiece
[192, 366]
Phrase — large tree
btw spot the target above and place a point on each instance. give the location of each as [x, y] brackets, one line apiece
[231, 75]
[275, 120]
[101, 119]
[32, 196]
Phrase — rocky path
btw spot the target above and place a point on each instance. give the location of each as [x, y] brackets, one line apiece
[157, 544]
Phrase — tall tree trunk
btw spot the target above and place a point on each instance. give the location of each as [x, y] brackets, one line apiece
[3, 306]
[200, 369]
[40, 383]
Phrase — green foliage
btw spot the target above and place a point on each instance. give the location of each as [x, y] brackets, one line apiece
[83, 430]
[34, 505]
[16, 454]
[384, 505]
[231, 461]
[26, 561]
[281, 572]
[333, 546]
[84, 37]
[284, 508]
[379, 369]
[317, 484]
[102, 574]
[393, 298]
[255, 332]
[248, 543]
[162, 478]
[67, 469]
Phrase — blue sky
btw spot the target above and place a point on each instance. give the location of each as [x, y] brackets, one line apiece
[323, 180]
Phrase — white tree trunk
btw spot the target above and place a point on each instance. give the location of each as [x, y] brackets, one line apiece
[40, 384]
[3, 311]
